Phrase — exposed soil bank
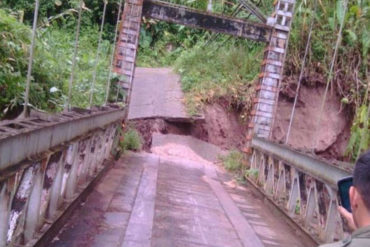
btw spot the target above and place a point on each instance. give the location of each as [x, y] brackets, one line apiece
[223, 127]
[330, 138]
[220, 127]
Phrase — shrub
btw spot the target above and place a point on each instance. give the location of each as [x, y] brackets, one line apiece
[51, 67]
[234, 160]
[131, 140]
[252, 173]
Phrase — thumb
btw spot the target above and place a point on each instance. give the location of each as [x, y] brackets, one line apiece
[348, 217]
[344, 212]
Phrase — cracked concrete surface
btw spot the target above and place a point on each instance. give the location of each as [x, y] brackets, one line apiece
[156, 200]
[156, 93]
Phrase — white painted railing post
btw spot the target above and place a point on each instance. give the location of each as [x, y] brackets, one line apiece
[4, 213]
[72, 160]
[33, 210]
[55, 191]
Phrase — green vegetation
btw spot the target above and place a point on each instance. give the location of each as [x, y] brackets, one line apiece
[360, 138]
[234, 160]
[131, 140]
[214, 71]
[351, 75]
[252, 173]
[53, 56]
[14, 41]
[297, 209]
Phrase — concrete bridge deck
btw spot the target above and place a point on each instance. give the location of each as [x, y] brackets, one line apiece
[156, 93]
[161, 200]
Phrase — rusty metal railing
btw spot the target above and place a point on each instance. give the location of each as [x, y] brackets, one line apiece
[303, 186]
[45, 163]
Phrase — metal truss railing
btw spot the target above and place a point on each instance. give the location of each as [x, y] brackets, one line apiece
[68, 152]
[303, 186]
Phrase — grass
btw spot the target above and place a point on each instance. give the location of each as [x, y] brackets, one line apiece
[132, 140]
[234, 160]
[212, 71]
[252, 173]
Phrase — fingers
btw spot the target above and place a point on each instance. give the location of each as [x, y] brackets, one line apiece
[348, 217]
[344, 212]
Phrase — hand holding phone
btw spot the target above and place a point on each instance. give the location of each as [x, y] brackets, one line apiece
[343, 189]
[348, 217]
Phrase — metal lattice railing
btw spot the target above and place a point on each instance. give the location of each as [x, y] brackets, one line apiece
[302, 186]
[68, 152]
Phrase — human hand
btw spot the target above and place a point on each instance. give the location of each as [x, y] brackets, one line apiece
[348, 217]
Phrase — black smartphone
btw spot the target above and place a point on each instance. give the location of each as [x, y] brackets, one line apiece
[343, 189]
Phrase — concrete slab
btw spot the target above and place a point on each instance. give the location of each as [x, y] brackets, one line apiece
[116, 219]
[102, 221]
[139, 228]
[184, 215]
[272, 229]
[245, 231]
[109, 237]
[156, 93]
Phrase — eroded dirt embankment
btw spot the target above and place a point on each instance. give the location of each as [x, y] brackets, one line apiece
[330, 138]
[223, 127]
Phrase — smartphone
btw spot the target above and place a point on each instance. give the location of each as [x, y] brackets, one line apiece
[343, 189]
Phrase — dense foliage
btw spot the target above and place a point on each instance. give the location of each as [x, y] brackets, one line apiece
[14, 41]
[234, 160]
[131, 140]
[350, 78]
[53, 55]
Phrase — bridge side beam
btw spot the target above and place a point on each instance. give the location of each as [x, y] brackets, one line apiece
[22, 139]
[197, 19]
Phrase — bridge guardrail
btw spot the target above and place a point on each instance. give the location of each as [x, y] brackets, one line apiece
[68, 151]
[303, 186]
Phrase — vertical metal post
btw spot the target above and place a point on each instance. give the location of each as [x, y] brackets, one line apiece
[97, 54]
[33, 209]
[280, 190]
[270, 182]
[295, 193]
[30, 61]
[72, 160]
[4, 213]
[312, 205]
[56, 188]
[210, 6]
[70, 85]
